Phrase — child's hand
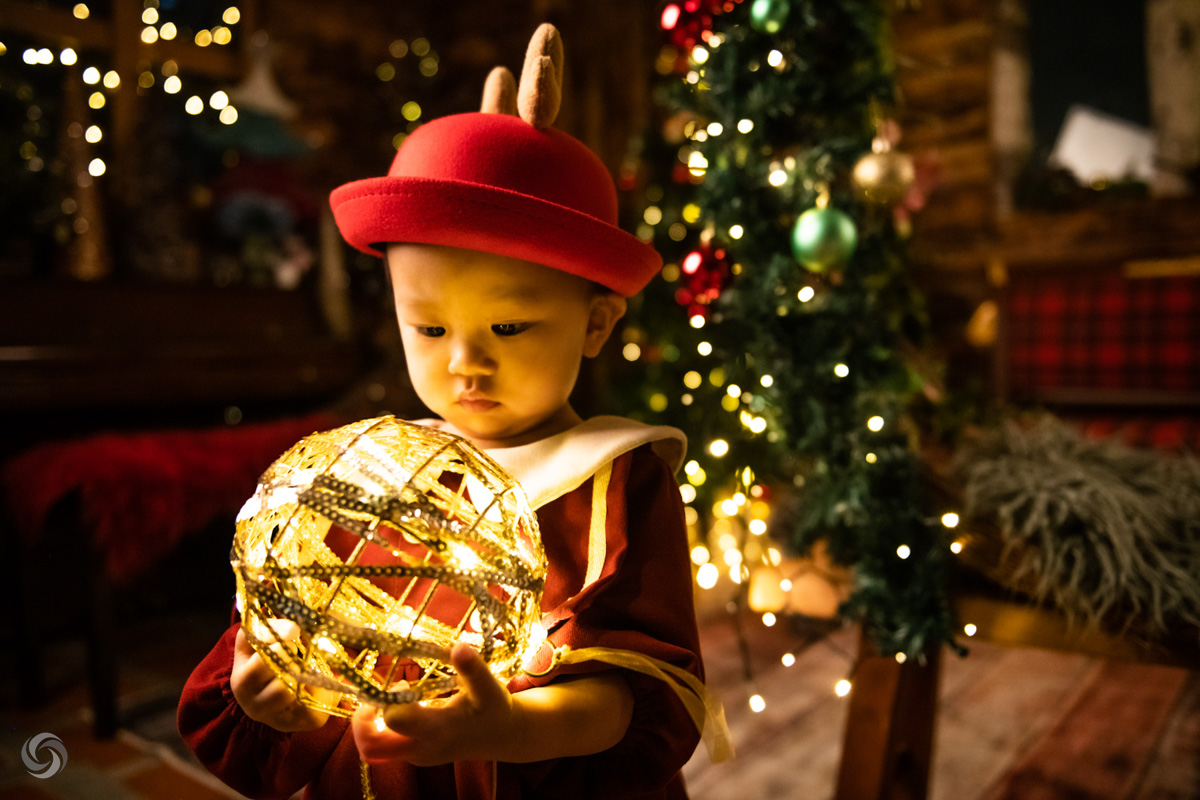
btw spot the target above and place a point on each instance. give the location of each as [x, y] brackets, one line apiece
[474, 724]
[261, 694]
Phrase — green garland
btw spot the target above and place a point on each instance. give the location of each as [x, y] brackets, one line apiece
[834, 361]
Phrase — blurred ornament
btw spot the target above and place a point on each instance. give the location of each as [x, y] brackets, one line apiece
[704, 275]
[386, 544]
[769, 16]
[884, 176]
[824, 238]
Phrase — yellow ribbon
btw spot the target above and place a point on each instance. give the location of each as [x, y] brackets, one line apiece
[706, 710]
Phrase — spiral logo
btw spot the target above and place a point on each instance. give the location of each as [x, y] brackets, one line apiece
[31, 754]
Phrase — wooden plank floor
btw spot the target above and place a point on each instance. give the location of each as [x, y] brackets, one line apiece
[1013, 724]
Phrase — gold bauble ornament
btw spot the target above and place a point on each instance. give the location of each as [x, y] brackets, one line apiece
[884, 175]
[387, 543]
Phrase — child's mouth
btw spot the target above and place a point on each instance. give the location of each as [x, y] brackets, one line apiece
[477, 405]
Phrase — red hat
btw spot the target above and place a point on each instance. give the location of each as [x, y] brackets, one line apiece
[503, 184]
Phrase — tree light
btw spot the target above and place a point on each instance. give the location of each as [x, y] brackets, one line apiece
[785, 585]
[631, 351]
[707, 575]
[718, 447]
[841, 370]
[699, 54]
[704, 348]
[871, 458]
[218, 100]
[777, 177]
[697, 321]
[93, 134]
[950, 519]
[692, 261]
[901, 657]
[736, 232]
[956, 547]
[769, 619]
[767, 381]
[194, 105]
[81, 11]
[670, 17]
[68, 56]
[757, 704]
[969, 629]
[904, 551]
[775, 58]
[715, 129]
[788, 659]
[700, 555]
[842, 688]
[806, 294]
[875, 423]
[96, 167]
[758, 527]
[91, 76]
[745, 125]
[687, 493]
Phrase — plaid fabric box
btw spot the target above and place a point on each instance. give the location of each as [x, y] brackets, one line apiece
[1102, 331]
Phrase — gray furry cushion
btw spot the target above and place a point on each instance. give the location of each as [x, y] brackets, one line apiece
[1102, 530]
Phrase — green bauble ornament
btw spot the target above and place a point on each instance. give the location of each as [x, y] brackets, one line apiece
[768, 16]
[824, 238]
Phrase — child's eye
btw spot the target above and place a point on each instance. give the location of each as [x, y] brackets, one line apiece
[510, 328]
[430, 331]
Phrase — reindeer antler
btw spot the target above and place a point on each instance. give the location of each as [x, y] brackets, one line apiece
[499, 92]
[540, 93]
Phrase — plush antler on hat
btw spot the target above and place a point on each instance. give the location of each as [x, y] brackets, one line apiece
[503, 181]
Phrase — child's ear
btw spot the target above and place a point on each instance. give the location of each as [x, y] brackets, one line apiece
[605, 309]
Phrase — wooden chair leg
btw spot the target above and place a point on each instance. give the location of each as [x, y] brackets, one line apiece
[101, 651]
[888, 747]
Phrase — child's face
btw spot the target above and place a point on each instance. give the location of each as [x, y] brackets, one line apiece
[493, 343]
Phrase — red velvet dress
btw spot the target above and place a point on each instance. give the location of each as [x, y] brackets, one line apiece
[637, 595]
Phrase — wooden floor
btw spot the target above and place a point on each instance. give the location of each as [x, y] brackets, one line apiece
[1013, 724]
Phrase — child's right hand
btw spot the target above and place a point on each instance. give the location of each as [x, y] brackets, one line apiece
[261, 694]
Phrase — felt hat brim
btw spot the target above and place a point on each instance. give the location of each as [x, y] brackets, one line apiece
[376, 211]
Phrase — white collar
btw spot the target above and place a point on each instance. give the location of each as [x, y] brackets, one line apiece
[549, 468]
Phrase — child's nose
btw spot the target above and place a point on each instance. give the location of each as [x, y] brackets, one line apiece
[468, 358]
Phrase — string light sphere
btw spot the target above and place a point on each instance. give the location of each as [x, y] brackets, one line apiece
[387, 543]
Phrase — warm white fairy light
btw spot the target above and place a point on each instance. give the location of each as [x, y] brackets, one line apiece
[91, 76]
[775, 58]
[29, 56]
[788, 659]
[203, 38]
[692, 77]
[757, 703]
[704, 348]
[758, 526]
[168, 31]
[97, 100]
[172, 85]
[218, 100]
[950, 519]
[691, 467]
[194, 105]
[732, 557]
[231, 16]
[707, 575]
[767, 381]
[777, 177]
[956, 547]
[901, 657]
[44, 56]
[774, 556]
[81, 11]
[728, 507]
[904, 551]
[785, 585]
[805, 294]
[687, 492]
[736, 232]
[631, 351]
[700, 555]
[769, 619]
[692, 379]
[229, 115]
[733, 390]
[222, 35]
[96, 167]
[150, 15]
[842, 688]
[745, 125]
[68, 56]
[718, 447]
[715, 129]
[696, 321]
[871, 458]
[652, 215]
[758, 425]
[969, 629]
[875, 423]
[112, 79]
[93, 134]
[149, 33]
[699, 54]
[841, 370]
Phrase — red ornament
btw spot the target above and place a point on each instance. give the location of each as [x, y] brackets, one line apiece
[706, 274]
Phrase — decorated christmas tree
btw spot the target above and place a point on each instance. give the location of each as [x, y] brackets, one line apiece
[785, 333]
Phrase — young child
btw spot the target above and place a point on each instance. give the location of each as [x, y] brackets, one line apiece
[508, 269]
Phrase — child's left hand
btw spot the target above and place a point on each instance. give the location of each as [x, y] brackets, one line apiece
[468, 727]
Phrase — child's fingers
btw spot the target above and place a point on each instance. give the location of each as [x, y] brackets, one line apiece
[374, 740]
[481, 687]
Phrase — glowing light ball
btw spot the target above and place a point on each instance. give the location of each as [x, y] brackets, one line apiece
[387, 543]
